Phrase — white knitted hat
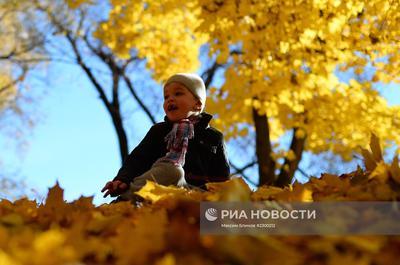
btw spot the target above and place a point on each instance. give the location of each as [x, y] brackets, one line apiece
[194, 83]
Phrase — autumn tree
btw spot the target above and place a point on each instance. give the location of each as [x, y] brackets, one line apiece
[72, 30]
[21, 47]
[285, 74]
[77, 33]
[20, 52]
[283, 59]
[280, 63]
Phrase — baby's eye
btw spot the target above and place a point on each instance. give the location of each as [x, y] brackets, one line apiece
[178, 93]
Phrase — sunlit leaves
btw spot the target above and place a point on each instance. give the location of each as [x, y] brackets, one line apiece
[162, 32]
[76, 3]
[281, 58]
[289, 52]
[165, 229]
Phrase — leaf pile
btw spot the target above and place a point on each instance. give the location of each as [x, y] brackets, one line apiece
[165, 229]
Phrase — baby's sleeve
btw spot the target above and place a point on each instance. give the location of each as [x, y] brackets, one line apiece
[140, 159]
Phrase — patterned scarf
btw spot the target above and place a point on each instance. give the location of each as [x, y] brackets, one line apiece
[178, 140]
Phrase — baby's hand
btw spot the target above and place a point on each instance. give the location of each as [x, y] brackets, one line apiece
[114, 188]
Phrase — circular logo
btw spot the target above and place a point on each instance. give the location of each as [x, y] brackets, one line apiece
[211, 214]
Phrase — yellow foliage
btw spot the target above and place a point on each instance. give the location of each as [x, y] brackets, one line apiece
[165, 229]
[6, 259]
[289, 52]
[162, 32]
[12, 31]
[153, 192]
[284, 71]
[73, 4]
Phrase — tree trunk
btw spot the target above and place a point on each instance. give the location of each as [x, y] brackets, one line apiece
[266, 165]
[297, 146]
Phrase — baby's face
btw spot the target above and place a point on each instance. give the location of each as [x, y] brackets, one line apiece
[179, 102]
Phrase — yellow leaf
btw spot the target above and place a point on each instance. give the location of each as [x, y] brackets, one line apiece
[134, 244]
[232, 190]
[369, 160]
[84, 203]
[299, 193]
[300, 133]
[55, 196]
[4, 238]
[265, 193]
[154, 192]
[48, 240]
[375, 148]
[291, 156]
[12, 219]
[168, 259]
[395, 169]
[370, 244]
[380, 172]
[6, 259]
[101, 223]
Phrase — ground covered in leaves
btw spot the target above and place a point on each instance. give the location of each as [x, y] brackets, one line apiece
[165, 229]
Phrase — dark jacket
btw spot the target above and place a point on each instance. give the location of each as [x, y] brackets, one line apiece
[206, 159]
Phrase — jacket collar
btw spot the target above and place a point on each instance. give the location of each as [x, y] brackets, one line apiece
[205, 119]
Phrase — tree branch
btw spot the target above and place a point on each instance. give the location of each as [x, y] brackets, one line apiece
[241, 171]
[290, 166]
[88, 72]
[134, 94]
[209, 74]
[109, 60]
[15, 81]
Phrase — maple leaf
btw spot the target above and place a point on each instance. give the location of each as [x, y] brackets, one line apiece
[55, 196]
[376, 148]
[11, 219]
[372, 159]
[154, 192]
[367, 243]
[395, 170]
[168, 259]
[135, 243]
[265, 193]
[232, 190]
[295, 193]
[84, 203]
[5, 259]
[369, 161]
[380, 172]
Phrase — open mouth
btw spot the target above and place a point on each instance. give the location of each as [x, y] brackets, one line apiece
[172, 107]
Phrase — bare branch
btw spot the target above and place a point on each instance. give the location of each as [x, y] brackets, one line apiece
[241, 171]
[127, 62]
[209, 74]
[303, 173]
[290, 166]
[88, 72]
[110, 61]
[15, 81]
[80, 23]
[134, 94]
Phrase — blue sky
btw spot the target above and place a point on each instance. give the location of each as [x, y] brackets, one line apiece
[75, 142]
